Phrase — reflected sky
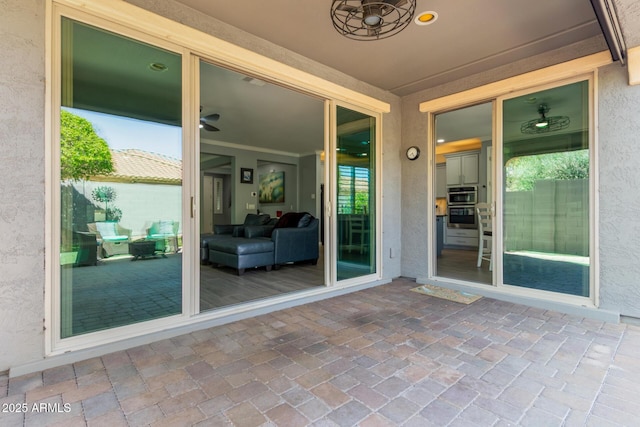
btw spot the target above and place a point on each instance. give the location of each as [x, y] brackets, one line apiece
[126, 133]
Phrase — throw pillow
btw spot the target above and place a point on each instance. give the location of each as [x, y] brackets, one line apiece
[256, 219]
[290, 219]
[305, 220]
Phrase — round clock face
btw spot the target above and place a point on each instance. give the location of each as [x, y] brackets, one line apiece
[413, 153]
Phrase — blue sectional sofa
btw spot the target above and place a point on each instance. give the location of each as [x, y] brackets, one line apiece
[294, 238]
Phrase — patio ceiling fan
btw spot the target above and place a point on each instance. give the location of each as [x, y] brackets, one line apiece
[371, 19]
[205, 122]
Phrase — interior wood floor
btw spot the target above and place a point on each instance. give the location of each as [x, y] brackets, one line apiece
[222, 287]
[461, 264]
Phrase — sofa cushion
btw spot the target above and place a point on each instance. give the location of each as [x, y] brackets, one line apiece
[162, 228]
[291, 220]
[256, 219]
[305, 220]
[241, 246]
[108, 231]
[254, 231]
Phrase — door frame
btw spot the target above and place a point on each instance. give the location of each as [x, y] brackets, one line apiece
[498, 238]
[331, 202]
[585, 68]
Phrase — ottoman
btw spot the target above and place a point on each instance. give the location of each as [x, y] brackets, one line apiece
[241, 253]
[204, 244]
[143, 248]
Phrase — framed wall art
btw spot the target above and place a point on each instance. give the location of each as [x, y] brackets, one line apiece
[271, 188]
[246, 176]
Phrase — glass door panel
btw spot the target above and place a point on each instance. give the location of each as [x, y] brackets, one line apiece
[546, 190]
[120, 181]
[261, 171]
[462, 181]
[356, 194]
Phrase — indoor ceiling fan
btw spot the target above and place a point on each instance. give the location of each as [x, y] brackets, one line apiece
[205, 122]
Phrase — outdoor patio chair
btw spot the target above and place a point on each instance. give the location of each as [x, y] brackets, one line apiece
[165, 233]
[113, 238]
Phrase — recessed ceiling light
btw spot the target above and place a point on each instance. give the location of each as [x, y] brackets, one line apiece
[426, 18]
[158, 66]
[440, 141]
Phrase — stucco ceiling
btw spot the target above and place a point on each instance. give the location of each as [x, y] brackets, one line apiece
[468, 37]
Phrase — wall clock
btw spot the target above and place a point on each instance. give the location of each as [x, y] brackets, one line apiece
[413, 152]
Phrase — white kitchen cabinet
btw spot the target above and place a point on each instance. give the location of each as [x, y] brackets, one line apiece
[462, 168]
[441, 180]
[462, 237]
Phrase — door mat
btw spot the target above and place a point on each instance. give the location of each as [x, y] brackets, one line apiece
[448, 294]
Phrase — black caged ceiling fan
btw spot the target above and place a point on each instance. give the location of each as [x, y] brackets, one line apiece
[371, 19]
[205, 122]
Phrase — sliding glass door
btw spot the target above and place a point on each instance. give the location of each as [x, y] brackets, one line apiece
[355, 196]
[170, 201]
[120, 181]
[546, 187]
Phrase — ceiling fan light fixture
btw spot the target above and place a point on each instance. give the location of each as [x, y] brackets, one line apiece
[158, 66]
[372, 13]
[371, 19]
[545, 124]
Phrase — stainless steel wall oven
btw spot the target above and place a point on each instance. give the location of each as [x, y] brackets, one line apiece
[462, 195]
[462, 216]
[461, 207]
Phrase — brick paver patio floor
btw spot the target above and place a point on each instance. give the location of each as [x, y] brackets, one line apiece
[380, 357]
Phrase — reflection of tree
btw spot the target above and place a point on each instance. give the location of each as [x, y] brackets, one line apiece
[523, 172]
[82, 152]
[107, 195]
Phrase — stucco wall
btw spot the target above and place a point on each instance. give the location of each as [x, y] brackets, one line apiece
[619, 173]
[21, 181]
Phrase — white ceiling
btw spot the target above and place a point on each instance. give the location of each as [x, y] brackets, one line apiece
[259, 115]
[468, 37]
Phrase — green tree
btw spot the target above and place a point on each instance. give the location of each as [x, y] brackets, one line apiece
[82, 152]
